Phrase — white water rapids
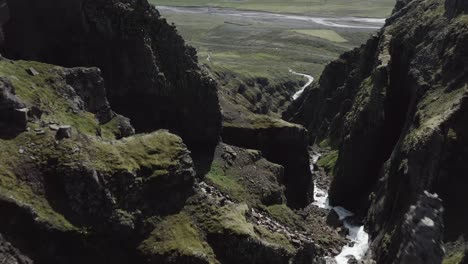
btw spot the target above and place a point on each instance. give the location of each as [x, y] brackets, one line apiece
[359, 239]
[310, 79]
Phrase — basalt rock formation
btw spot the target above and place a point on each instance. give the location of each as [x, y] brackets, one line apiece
[95, 197]
[152, 77]
[395, 109]
[281, 142]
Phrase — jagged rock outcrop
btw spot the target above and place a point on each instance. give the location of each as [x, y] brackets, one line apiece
[421, 232]
[10, 254]
[396, 109]
[86, 92]
[282, 143]
[151, 75]
[10, 105]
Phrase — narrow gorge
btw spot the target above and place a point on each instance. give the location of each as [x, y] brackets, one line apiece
[117, 145]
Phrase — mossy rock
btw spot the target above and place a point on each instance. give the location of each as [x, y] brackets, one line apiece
[328, 161]
[176, 239]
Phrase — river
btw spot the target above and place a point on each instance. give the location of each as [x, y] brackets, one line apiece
[310, 79]
[333, 22]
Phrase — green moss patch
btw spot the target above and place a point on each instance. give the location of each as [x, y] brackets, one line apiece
[260, 122]
[227, 182]
[327, 34]
[328, 161]
[157, 151]
[177, 235]
[283, 214]
[454, 258]
[232, 220]
[22, 194]
[42, 91]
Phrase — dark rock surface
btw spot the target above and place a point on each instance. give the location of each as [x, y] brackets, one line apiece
[88, 92]
[333, 219]
[422, 232]
[10, 254]
[152, 76]
[396, 109]
[282, 143]
[12, 117]
[455, 7]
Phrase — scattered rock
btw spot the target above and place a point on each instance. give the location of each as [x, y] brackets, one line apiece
[54, 127]
[125, 127]
[64, 132]
[35, 112]
[352, 260]
[31, 71]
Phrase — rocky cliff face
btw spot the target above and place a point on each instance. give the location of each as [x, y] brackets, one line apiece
[78, 186]
[283, 143]
[70, 193]
[151, 75]
[396, 109]
[72, 190]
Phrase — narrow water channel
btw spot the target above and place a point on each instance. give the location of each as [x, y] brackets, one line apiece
[358, 239]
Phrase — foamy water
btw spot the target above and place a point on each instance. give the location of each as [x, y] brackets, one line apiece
[358, 238]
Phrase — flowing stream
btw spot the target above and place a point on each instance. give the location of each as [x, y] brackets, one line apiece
[358, 238]
[310, 79]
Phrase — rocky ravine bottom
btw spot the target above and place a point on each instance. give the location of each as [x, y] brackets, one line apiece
[358, 238]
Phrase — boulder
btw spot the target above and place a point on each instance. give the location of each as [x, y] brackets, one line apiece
[31, 71]
[20, 118]
[125, 128]
[13, 111]
[333, 219]
[64, 132]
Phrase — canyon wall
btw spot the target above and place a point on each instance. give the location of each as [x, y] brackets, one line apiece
[396, 109]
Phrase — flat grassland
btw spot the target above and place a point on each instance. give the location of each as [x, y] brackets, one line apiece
[250, 47]
[241, 48]
[327, 34]
[362, 8]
